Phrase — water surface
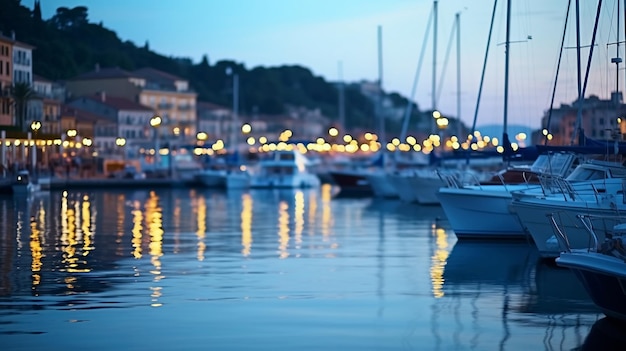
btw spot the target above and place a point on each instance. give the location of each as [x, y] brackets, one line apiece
[197, 269]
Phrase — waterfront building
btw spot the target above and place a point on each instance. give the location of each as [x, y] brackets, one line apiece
[6, 80]
[131, 120]
[79, 124]
[22, 62]
[169, 96]
[601, 119]
[52, 97]
[214, 120]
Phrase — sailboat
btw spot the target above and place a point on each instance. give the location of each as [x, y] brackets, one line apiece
[482, 211]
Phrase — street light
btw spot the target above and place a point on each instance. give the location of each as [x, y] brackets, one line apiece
[35, 126]
[155, 122]
[121, 142]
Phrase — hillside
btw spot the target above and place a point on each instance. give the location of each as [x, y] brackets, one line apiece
[68, 44]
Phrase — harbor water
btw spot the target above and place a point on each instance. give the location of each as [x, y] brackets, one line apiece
[199, 269]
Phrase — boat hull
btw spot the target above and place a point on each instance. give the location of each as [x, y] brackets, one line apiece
[400, 182]
[351, 183]
[533, 215]
[480, 214]
[425, 189]
[604, 278]
[211, 180]
[301, 181]
[381, 185]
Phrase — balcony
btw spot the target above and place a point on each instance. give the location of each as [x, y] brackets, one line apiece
[165, 105]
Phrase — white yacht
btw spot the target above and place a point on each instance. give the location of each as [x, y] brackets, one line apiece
[482, 211]
[211, 177]
[284, 169]
[593, 188]
[238, 178]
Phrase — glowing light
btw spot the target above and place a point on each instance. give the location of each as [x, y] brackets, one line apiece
[333, 132]
[202, 136]
[246, 128]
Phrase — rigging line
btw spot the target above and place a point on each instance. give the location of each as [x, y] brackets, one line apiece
[482, 76]
[409, 107]
[556, 78]
[584, 88]
[446, 60]
[578, 83]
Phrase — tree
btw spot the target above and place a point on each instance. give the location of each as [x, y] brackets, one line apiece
[66, 18]
[37, 11]
[21, 94]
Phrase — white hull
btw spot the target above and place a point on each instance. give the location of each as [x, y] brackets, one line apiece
[401, 183]
[211, 179]
[306, 180]
[238, 180]
[480, 214]
[425, 188]
[533, 214]
[381, 185]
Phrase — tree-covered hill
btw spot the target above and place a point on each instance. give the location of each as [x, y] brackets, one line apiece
[68, 45]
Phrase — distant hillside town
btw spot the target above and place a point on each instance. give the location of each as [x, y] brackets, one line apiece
[114, 98]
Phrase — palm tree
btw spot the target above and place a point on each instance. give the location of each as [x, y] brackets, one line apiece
[21, 94]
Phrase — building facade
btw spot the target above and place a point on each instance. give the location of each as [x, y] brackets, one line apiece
[168, 96]
[6, 80]
[132, 122]
[22, 63]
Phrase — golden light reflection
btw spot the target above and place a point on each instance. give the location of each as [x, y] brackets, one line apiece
[283, 229]
[299, 217]
[327, 213]
[154, 216]
[312, 211]
[155, 295]
[36, 253]
[86, 226]
[120, 216]
[246, 224]
[176, 219]
[68, 235]
[137, 229]
[201, 223]
[438, 261]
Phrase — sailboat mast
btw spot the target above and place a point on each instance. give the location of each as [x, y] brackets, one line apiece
[342, 114]
[617, 59]
[434, 83]
[381, 117]
[579, 114]
[505, 135]
[457, 18]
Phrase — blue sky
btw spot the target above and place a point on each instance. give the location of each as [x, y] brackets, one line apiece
[319, 34]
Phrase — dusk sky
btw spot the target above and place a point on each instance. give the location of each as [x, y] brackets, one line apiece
[318, 34]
